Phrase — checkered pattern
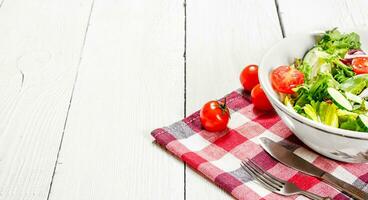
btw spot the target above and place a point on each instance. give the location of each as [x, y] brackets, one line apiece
[218, 155]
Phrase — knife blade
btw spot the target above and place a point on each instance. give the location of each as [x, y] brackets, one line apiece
[292, 160]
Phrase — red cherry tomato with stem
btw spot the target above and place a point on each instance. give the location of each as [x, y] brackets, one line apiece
[285, 78]
[214, 116]
[259, 99]
[360, 65]
[249, 77]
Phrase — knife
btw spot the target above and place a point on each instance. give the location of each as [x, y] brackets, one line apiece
[290, 159]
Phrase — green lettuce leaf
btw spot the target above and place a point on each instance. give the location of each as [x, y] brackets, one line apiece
[311, 112]
[324, 112]
[306, 69]
[318, 89]
[341, 72]
[334, 42]
[351, 125]
[317, 61]
[328, 114]
[288, 102]
[348, 120]
[298, 109]
[303, 96]
[345, 115]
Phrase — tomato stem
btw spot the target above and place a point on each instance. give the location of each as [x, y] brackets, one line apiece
[223, 106]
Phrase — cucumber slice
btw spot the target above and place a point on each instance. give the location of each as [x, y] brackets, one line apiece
[363, 121]
[355, 84]
[354, 98]
[313, 55]
[339, 99]
[364, 93]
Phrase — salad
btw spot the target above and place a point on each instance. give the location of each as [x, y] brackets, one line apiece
[329, 84]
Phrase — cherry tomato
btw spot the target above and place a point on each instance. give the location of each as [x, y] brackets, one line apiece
[360, 65]
[249, 77]
[214, 116]
[259, 99]
[285, 78]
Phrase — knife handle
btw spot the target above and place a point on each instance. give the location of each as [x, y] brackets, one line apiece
[345, 187]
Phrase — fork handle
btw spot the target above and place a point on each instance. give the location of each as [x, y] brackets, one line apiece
[313, 196]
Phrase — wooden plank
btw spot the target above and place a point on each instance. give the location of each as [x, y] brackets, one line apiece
[131, 81]
[307, 16]
[41, 42]
[222, 37]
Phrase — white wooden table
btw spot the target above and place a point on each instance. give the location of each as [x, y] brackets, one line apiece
[83, 82]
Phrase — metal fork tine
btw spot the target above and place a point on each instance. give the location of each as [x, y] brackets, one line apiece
[275, 184]
[264, 171]
[261, 175]
[266, 185]
[256, 177]
[268, 175]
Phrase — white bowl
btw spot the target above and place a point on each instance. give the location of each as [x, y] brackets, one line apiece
[335, 143]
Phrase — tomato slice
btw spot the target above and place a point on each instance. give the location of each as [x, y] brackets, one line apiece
[285, 78]
[360, 65]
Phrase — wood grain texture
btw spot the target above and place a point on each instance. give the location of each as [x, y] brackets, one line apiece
[131, 80]
[40, 47]
[306, 16]
[222, 37]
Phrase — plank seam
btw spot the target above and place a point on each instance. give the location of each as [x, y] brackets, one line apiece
[280, 19]
[185, 87]
[21, 73]
[70, 101]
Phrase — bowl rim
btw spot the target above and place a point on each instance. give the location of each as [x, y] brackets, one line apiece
[263, 76]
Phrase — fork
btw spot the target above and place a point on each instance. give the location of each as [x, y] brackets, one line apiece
[275, 184]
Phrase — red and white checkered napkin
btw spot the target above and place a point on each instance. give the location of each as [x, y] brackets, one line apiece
[218, 155]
